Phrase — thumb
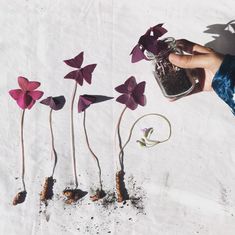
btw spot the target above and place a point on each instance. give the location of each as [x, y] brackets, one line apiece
[190, 61]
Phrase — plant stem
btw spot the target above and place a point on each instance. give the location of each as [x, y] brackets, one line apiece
[88, 145]
[22, 149]
[72, 137]
[149, 114]
[121, 153]
[52, 144]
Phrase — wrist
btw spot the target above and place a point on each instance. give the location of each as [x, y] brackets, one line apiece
[216, 62]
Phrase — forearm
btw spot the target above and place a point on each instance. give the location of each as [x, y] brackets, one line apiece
[223, 82]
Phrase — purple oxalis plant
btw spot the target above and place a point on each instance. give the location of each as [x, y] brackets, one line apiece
[84, 102]
[132, 95]
[25, 97]
[149, 42]
[78, 75]
[55, 104]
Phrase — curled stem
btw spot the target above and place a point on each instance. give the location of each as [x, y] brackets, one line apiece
[22, 149]
[72, 136]
[121, 153]
[54, 154]
[91, 151]
[156, 142]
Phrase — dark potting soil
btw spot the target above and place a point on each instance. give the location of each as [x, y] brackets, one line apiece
[175, 82]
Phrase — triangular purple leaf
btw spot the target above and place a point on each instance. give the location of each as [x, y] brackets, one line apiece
[137, 54]
[130, 84]
[87, 72]
[75, 62]
[158, 30]
[131, 104]
[123, 98]
[84, 102]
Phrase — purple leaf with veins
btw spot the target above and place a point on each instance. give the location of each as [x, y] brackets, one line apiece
[132, 93]
[86, 100]
[55, 103]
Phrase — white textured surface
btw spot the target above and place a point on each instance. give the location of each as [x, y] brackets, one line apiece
[189, 182]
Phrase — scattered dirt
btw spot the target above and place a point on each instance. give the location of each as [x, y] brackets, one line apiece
[19, 198]
[109, 200]
[137, 195]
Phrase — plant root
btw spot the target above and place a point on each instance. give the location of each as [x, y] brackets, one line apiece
[98, 195]
[122, 194]
[19, 198]
[47, 192]
[73, 195]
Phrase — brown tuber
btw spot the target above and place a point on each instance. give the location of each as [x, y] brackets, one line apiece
[73, 195]
[47, 192]
[19, 198]
[122, 194]
[98, 195]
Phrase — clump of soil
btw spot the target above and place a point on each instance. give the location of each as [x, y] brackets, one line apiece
[19, 198]
[99, 194]
[73, 195]
[47, 192]
[122, 193]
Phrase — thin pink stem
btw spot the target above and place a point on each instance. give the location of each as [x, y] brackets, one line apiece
[121, 153]
[72, 136]
[149, 114]
[93, 154]
[22, 149]
[52, 143]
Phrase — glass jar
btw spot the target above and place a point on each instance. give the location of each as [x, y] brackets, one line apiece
[174, 82]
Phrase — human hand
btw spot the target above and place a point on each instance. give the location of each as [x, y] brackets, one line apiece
[203, 61]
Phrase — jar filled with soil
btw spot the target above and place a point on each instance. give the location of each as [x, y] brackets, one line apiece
[174, 82]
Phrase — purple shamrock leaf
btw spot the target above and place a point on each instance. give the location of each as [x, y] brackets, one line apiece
[132, 93]
[55, 103]
[80, 74]
[157, 31]
[75, 62]
[86, 100]
[149, 41]
[137, 54]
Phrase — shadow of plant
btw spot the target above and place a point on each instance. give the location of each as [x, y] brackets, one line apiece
[223, 37]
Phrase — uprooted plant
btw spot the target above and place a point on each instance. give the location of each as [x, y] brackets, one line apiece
[78, 75]
[132, 96]
[84, 102]
[25, 97]
[55, 104]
